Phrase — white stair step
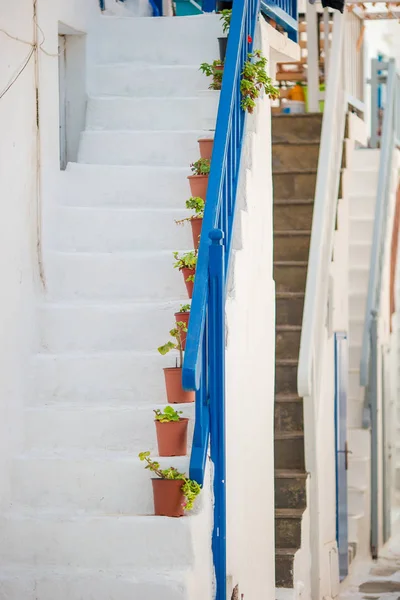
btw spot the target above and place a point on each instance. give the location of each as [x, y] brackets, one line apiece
[357, 304]
[97, 484]
[359, 441]
[366, 159]
[354, 356]
[356, 392]
[157, 81]
[358, 279]
[105, 328]
[129, 8]
[360, 254]
[355, 522]
[102, 542]
[99, 428]
[117, 277]
[184, 41]
[100, 379]
[356, 500]
[152, 113]
[356, 331]
[156, 148]
[360, 182]
[120, 229]
[362, 206]
[55, 583]
[361, 230]
[354, 413]
[124, 186]
[358, 474]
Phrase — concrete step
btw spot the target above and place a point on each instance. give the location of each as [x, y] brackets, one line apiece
[114, 277]
[169, 113]
[66, 328]
[112, 186]
[356, 330]
[296, 128]
[354, 356]
[289, 450]
[363, 183]
[366, 159]
[101, 542]
[292, 185]
[360, 254]
[288, 413]
[291, 245]
[148, 81]
[293, 215]
[99, 379]
[359, 442]
[156, 148]
[288, 527]
[287, 341]
[355, 522]
[286, 376]
[49, 583]
[289, 308]
[97, 483]
[359, 472]
[287, 157]
[119, 229]
[358, 279]
[290, 276]
[284, 559]
[357, 304]
[362, 206]
[356, 392]
[355, 412]
[191, 40]
[290, 489]
[360, 231]
[112, 429]
[356, 500]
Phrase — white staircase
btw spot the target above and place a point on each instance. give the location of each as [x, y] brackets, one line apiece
[80, 524]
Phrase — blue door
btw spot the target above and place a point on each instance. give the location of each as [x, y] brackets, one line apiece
[341, 374]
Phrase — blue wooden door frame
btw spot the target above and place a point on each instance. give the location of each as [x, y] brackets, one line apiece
[341, 451]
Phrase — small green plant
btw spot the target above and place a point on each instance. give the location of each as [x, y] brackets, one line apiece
[254, 80]
[225, 18]
[190, 489]
[201, 167]
[214, 70]
[185, 261]
[168, 415]
[184, 308]
[175, 333]
[196, 204]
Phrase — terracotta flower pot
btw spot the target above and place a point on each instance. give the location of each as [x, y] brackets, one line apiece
[198, 185]
[206, 147]
[196, 224]
[183, 317]
[189, 284]
[172, 437]
[173, 384]
[169, 500]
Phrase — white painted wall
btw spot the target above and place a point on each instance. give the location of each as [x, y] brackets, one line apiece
[250, 314]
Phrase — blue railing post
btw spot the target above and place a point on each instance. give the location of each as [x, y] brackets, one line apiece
[216, 329]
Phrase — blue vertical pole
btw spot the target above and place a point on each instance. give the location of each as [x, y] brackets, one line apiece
[216, 323]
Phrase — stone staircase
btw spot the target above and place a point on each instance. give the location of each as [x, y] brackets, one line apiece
[81, 522]
[294, 157]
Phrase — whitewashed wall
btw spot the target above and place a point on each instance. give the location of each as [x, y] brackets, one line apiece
[23, 187]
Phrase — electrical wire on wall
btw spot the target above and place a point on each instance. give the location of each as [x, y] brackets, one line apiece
[35, 46]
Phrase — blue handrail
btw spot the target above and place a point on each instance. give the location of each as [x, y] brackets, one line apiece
[203, 367]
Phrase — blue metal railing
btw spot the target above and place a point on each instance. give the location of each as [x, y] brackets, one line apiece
[203, 368]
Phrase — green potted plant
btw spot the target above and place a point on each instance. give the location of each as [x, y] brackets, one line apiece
[199, 178]
[182, 316]
[225, 18]
[186, 263]
[173, 375]
[173, 491]
[206, 147]
[214, 70]
[196, 220]
[254, 80]
[171, 431]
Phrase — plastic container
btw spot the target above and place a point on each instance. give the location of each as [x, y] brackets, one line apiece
[296, 107]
